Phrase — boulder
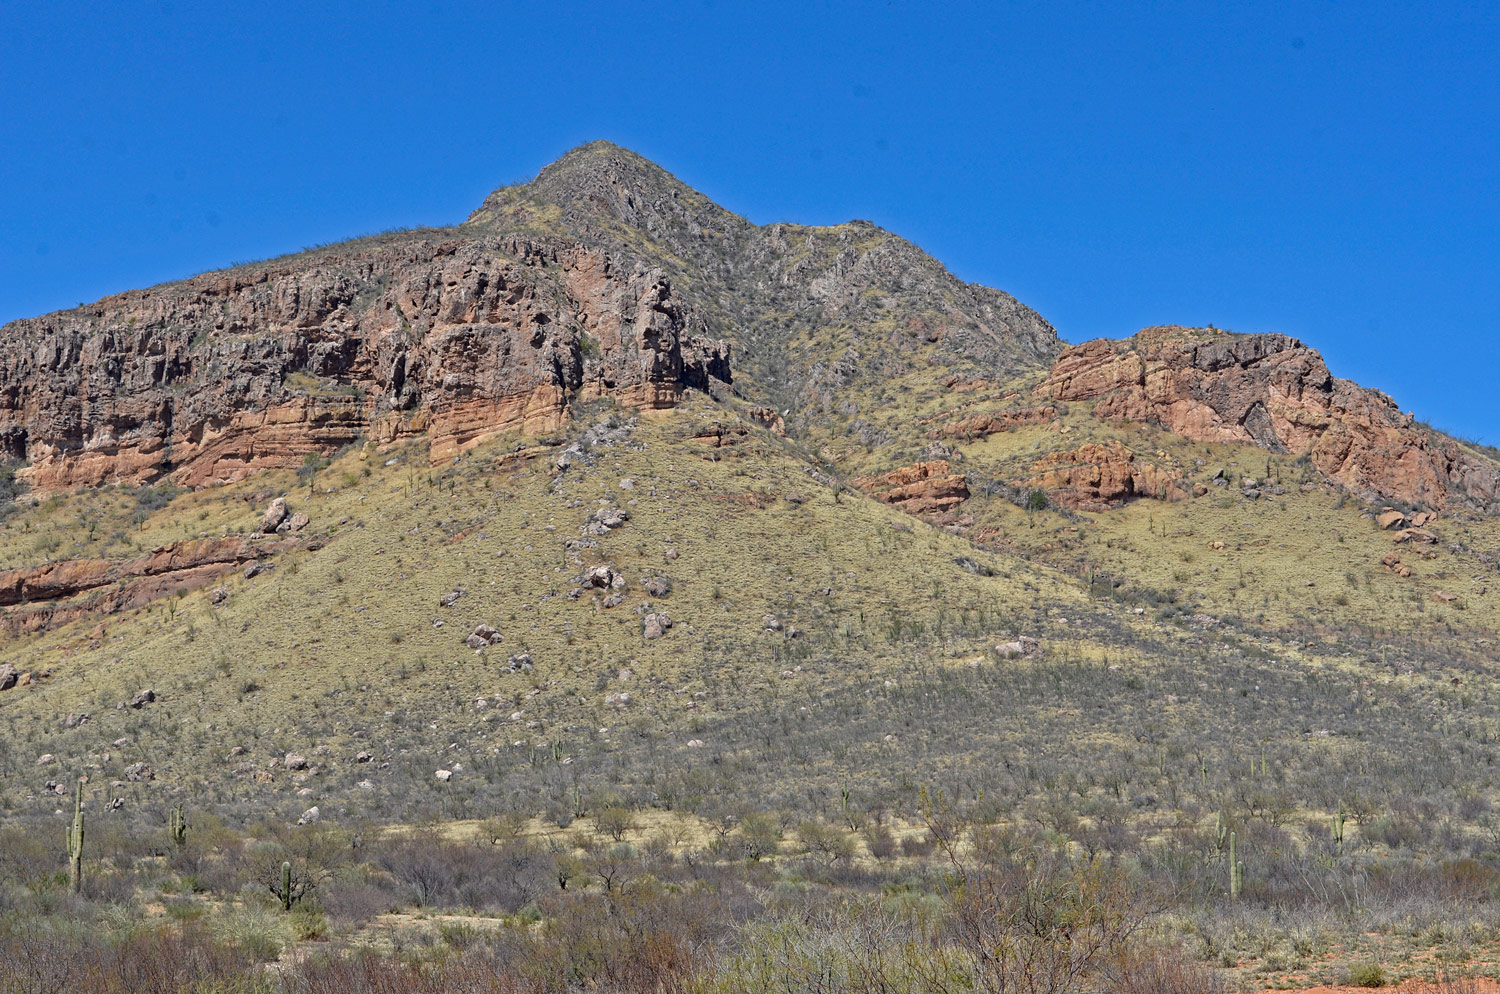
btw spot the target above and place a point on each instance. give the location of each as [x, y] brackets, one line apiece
[444, 775]
[771, 623]
[657, 586]
[519, 663]
[297, 522]
[1444, 597]
[1023, 647]
[483, 636]
[1389, 519]
[1418, 535]
[143, 698]
[294, 761]
[450, 598]
[275, 514]
[139, 773]
[602, 577]
[310, 816]
[8, 676]
[655, 625]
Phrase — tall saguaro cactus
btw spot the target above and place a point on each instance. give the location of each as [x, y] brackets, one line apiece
[286, 886]
[177, 826]
[1236, 870]
[75, 842]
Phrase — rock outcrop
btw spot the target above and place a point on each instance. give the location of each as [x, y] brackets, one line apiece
[982, 425]
[39, 597]
[1274, 392]
[922, 488]
[1100, 475]
[211, 379]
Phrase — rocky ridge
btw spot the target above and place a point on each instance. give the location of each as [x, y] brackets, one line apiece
[225, 374]
[1274, 392]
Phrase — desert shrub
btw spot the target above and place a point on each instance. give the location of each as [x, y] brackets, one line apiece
[1367, 975]
[436, 873]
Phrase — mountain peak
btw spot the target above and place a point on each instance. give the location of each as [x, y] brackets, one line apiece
[601, 185]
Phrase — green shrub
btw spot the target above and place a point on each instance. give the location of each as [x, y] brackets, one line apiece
[1368, 975]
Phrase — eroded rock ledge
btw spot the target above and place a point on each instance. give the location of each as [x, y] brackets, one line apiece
[39, 597]
[215, 378]
[1274, 392]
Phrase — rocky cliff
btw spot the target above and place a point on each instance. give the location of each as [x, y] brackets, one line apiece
[211, 379]
[1274, 392]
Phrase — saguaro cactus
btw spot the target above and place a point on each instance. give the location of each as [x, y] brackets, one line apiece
[1336, 829]
[177, 826]
[286, 885]
[1236, 870]
[75, 842]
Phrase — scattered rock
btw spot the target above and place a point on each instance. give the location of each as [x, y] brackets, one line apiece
[656, 625]
[46, 759]
[255, 569]
[1251, 493]
[670, 554]
[657, 586]
[220, 595]
[310, 816]
[444, 775]
[1025, 646]
[294, 761]
[695, 743]
[602, 578]
[139, 773]
[1393, 563]
[771, 623]
[614, 600]
[275, 514]
[1445, 597]
[142, 699]
[519, 663]
[362, 757]
[75, 719]
[483, 636]
[297, 522]
[451, 597]
[235, 752]
[1418, 535]
[8, 676]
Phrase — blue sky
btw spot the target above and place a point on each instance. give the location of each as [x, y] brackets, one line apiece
[1328, 170]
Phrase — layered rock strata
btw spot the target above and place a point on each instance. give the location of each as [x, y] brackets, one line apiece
[922, 488]
[1274, 392]
[39, 597]
[212, 379]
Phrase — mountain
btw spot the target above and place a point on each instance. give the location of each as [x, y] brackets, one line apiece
[607, 489]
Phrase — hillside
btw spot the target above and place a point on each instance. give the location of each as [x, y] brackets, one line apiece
[608, 496]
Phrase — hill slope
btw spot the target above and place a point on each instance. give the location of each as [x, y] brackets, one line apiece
[607, 490]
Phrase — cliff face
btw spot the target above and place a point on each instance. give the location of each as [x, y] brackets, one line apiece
[212, 379]
[1273, 391]
[817, 315]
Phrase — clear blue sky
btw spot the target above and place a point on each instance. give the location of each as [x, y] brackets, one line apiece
[1329, 170]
